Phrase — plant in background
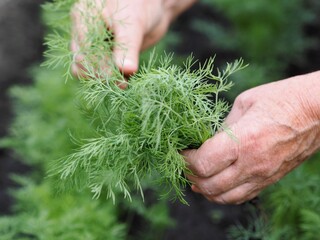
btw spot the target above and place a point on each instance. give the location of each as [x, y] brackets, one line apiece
[44, 119]
[295, 202]
[42, 215]
[264, 30]
[271, 35]
[290, 209]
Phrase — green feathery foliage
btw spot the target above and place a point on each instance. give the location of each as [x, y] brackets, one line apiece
[290, 209]
[46, 113]
[141, 130]
[56, 16]
[44, 216]
[261, 33]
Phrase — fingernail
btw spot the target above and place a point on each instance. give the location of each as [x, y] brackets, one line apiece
[128, 67]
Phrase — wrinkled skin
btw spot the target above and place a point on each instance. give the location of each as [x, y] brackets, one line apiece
[277, 125]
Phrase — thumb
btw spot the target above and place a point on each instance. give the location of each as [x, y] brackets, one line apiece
[213, 156]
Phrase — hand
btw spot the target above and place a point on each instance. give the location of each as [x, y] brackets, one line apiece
[136, 24]
[277, 127]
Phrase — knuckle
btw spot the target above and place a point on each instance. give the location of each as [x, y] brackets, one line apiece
[244, 100]
[211, 189]
[206, 189]
[262, 171]
[240, 100]
[204, 163]
[202, 170]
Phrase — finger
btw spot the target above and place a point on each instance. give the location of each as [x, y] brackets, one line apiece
[214, 155]
[195, 189]
[77, 68]
[128, 38]
[78, 38]
[223, 182]
[79, 28]
[237, 195]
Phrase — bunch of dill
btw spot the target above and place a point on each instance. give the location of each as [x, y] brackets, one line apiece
[139, 131]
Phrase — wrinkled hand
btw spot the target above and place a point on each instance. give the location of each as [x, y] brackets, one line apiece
[136, 25]
[277, 127]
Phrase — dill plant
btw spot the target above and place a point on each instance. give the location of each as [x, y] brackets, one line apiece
[139, 131]
[45, 113]
[121, 147]
[289, 209]
[39, 214]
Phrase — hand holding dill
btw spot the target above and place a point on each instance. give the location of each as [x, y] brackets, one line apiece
[275, 135]
[138, 131]
[132, 26]
[141, 130]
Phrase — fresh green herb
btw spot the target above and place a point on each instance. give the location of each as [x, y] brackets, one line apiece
[141, 130]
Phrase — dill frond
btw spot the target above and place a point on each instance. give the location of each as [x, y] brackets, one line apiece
[141, 130]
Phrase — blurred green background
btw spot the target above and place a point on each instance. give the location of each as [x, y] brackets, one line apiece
[278, 38]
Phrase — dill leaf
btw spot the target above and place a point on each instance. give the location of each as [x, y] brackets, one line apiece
[138, 132]
[141, 130]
